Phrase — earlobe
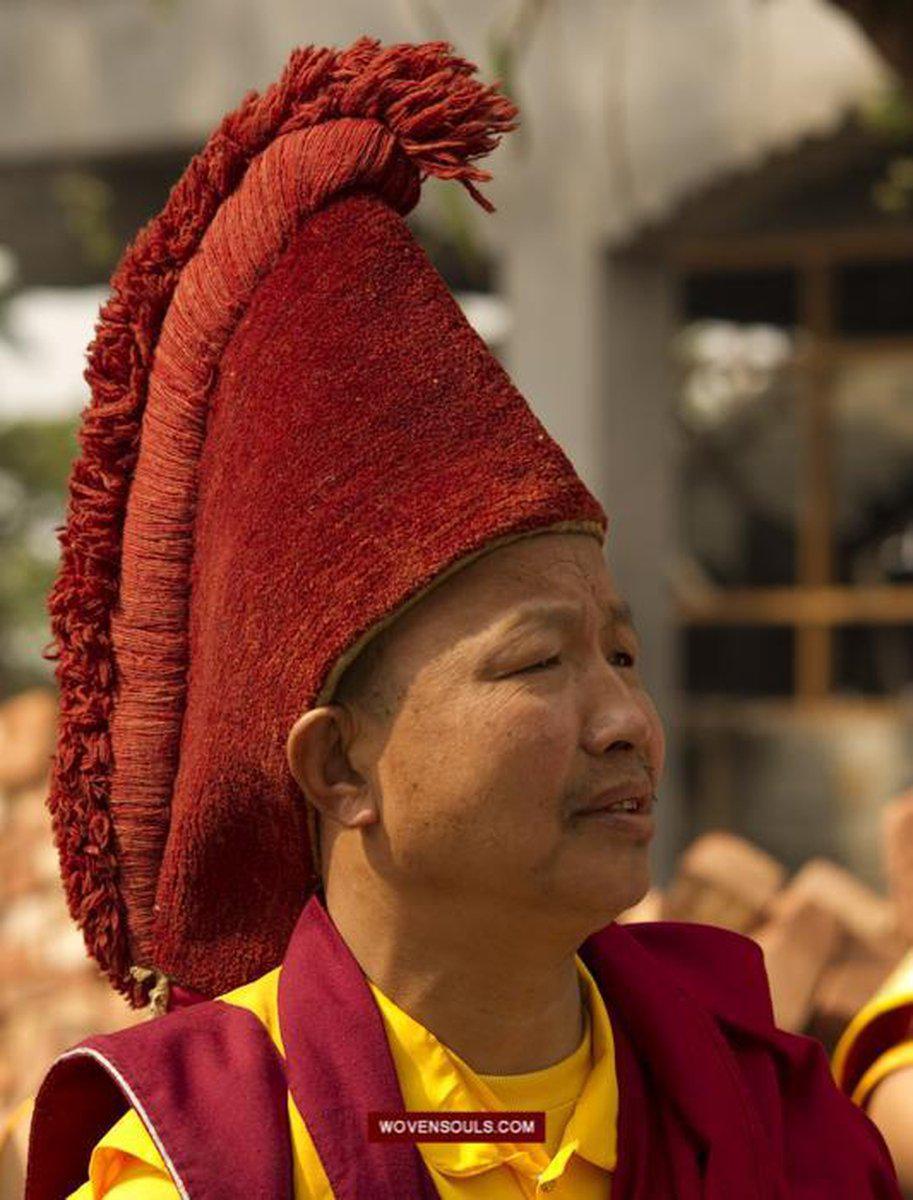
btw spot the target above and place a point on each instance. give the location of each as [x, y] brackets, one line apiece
[317, 753]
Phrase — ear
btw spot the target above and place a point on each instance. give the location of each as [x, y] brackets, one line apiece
[318, 757]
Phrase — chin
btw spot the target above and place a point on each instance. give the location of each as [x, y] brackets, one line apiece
[615, 892]
[599, 906]
[635, 894]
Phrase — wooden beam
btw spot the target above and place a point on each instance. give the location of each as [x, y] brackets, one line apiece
[835, 605]
[711, 714]
[813, 650]
[845, 350]
[790, 250]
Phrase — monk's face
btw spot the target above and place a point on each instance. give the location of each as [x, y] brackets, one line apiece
[517, 702]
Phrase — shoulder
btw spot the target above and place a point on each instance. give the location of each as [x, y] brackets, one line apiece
[171, 1071]
[229, 1029]
[786, 1076]
[723, 971]
[261, 999]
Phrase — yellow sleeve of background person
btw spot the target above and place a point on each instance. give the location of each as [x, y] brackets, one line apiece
[874, 1064]
[578, 1094]
[877, 1041]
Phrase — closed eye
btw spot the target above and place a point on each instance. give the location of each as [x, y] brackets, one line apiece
[542, 665]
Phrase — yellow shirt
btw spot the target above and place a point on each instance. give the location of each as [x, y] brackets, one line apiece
[579, 1096]
[867, 1034]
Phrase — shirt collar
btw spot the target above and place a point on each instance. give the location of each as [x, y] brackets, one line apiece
[434, 1078]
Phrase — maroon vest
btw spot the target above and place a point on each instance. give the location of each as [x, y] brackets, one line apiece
[714, 1102]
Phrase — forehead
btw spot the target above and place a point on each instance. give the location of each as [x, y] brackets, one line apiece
[532, 578]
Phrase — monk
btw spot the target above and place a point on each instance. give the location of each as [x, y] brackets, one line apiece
[356, 764]
[463, 881]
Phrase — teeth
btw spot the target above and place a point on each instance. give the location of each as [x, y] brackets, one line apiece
[625, 806]
[634, 805]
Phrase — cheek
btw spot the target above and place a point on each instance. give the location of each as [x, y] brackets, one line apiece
[424, 774]
[478, 770]
[522, 761]
[533, 740]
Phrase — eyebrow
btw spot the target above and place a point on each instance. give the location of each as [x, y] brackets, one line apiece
[618, 612]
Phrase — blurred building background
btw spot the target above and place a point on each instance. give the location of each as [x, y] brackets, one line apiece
[700, 273]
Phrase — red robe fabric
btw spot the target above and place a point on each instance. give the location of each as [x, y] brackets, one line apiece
[715, 1102]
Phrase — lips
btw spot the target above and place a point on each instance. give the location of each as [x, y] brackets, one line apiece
[623, 798]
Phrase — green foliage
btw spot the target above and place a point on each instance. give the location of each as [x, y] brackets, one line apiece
[86, 203]
[890, 116]
[894, 192]
[35, 458]
[890, 113]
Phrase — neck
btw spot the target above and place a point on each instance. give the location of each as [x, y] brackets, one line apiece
[501, 994]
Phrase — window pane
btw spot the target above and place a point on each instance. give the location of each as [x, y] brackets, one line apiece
[874, 659]
[738, 661]
[737, 413]
[768, 297]
[873, 415]
[874, 298]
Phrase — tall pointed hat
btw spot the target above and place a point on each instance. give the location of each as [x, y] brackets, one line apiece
[293, 433]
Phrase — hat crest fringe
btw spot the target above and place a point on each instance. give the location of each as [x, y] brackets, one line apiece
[442, 119]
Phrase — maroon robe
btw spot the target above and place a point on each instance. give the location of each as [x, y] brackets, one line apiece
[715, 1103]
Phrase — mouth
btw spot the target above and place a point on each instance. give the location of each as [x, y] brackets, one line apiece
[624, 798]
[629, 816]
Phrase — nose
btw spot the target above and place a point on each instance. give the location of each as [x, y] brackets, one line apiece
[620, 716]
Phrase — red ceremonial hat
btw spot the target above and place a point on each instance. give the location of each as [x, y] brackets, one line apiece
[293, 434]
